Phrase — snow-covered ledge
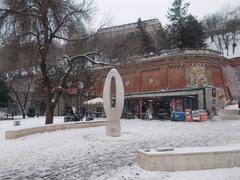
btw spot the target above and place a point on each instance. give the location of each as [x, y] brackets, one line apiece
[49, 128]
[188, 159]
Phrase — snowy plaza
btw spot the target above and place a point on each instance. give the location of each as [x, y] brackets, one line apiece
[90, 154]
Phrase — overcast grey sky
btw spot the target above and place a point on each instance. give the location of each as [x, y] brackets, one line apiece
[126, 11]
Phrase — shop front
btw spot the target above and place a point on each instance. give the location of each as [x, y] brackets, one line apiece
[159, 105]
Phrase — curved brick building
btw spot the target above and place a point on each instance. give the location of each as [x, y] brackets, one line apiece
[179, 79]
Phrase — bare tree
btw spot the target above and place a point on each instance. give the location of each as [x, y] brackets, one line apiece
[21, 89]
[223, 30]
[213, 27]
[223, 27]
[233, 26]
[43, 22]
[19, 62]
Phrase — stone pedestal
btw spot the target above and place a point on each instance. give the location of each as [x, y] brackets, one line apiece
[113, 128]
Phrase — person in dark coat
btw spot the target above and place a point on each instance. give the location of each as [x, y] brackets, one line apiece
[83, 111]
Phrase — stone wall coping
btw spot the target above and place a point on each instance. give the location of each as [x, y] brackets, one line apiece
[191, 151]
[189, 159]
[14, 134]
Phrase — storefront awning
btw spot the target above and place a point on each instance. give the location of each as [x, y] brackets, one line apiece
[167, 93]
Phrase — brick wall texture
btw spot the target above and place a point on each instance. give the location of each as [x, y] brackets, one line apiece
[156, 74]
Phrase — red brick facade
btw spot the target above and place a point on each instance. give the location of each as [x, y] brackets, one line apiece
[158, 73]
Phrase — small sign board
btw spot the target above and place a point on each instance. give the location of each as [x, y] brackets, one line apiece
[195, 116]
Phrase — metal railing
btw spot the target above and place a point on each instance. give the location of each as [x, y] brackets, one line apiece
[179, 52]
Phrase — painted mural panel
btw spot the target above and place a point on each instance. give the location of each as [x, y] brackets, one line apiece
[198, 76]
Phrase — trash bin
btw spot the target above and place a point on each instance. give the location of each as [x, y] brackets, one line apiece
[16, 123]
[177, 116]
[203, 115]
[188, 115]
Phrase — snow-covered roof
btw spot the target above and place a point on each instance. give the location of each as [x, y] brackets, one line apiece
[97, 100]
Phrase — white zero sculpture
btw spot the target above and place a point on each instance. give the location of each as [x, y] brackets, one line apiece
[113, 114]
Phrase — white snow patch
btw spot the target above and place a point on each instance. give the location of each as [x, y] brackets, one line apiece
[136, 173]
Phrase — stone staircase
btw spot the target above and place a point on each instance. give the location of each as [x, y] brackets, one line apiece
[229, 114]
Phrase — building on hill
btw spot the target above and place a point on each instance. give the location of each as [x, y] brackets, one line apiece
[151, 26]
[123, 41]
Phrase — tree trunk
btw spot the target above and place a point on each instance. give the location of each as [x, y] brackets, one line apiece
[23, 114]
[50, 114]
[47, 84]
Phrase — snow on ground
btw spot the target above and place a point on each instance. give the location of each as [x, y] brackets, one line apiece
[89, 154]
[136, 173]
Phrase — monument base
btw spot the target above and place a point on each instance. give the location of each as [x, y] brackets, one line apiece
[113, 128]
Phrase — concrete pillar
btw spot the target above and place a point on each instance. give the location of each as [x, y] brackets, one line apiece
[200, 101]
[140, 108]
[150, 110]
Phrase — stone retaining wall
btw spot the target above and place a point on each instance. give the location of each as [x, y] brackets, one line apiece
[49, 128]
